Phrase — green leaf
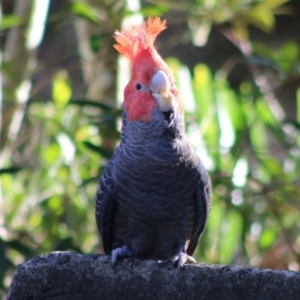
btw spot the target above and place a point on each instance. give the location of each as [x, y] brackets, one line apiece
[9, 21]
[234, 109]
[265, 112]
[273, 167]
[61, 89]
[231, 233]
[205, 96]
[257, 130]
[54, 203]
[51, 153]
[214, 223]
[288, 56]
[202, 84]
[35, 219]
[267, 238]
[174, 64]
[261, 18]
[85, 11]
[225, 227]
[95, 42]
[298, 105]
[271, 4]
[262, 14]
[153, 10]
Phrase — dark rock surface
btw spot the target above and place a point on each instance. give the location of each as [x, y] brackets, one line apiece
[66, 275]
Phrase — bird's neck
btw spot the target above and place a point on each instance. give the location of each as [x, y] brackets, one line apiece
[162, 124]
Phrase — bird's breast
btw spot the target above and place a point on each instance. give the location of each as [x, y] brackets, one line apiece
[157, 173]
[154, 199]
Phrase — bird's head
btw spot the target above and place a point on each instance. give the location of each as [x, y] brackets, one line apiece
[152, 85]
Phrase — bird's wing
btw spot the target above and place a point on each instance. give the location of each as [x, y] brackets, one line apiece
[104, 206]
[203, 205]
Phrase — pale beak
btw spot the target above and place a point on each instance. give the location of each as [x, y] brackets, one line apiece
[160, 88]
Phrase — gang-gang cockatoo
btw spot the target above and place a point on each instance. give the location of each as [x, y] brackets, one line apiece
[154, 197]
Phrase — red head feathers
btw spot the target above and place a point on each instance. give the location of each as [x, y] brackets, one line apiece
[152, 84]
[131, 41]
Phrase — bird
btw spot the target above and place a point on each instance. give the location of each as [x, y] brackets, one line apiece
[154, 197]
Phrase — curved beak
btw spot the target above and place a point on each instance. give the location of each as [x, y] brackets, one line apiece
[160, 88]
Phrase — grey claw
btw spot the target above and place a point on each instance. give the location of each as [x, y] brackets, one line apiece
[120, 252]
[182, 258]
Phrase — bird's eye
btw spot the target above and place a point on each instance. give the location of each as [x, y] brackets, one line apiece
[138, 86]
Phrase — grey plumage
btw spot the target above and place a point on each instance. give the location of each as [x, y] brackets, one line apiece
[154, 196]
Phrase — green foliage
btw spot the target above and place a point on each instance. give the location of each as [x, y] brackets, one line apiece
[298, 106]
[9, 21]
[86, 11]
[202, 14]
[284, 59]
[50, 166]
[236, 126]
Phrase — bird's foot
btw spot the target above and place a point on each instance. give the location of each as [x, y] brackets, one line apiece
[120, 252]
[181, 258]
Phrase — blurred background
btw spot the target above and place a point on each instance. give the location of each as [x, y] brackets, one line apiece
[237, 66]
